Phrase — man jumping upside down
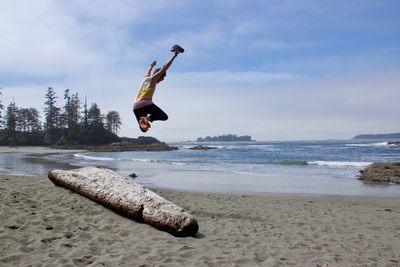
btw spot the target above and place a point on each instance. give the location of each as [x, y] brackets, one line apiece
[145, 110]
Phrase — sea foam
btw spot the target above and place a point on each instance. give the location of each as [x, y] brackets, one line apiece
[369, 144]
[340, 163]
[86, 157]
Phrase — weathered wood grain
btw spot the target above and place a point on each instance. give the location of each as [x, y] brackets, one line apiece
[125, 196]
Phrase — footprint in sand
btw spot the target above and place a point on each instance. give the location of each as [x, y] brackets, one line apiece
[48, 240]
[85, 260]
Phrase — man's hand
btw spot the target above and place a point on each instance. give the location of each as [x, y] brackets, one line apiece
[148, 72]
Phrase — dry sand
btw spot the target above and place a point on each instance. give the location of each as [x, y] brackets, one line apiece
[45, 225]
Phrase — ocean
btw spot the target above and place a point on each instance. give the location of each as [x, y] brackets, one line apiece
[298, 167]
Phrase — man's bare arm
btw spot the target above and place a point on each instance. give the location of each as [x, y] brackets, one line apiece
[166, 66]
[148, 72]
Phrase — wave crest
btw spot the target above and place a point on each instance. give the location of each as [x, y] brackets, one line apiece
[340, 163]
[294, 162]
[86, 157]
[368, 144]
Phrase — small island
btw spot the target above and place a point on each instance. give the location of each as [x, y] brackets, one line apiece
[225, 138]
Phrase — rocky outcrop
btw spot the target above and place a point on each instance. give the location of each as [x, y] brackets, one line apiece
[381, 173]
[397, 143]
[142, 143]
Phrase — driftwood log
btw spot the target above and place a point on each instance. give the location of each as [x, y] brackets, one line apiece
[125, 196]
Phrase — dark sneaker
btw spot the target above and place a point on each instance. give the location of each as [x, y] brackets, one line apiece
[177, 48]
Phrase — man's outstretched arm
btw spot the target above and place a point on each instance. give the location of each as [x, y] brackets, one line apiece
[166, 66]
[148, 72]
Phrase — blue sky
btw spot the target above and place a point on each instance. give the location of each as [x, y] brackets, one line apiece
[277, 70]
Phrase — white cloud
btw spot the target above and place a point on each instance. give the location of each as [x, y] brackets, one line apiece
[204, 80]
[288, 109]
[101, 49]
[42, 40]
[297, 109]
[55, 38]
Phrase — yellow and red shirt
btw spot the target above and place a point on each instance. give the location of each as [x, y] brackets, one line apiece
[145, 94]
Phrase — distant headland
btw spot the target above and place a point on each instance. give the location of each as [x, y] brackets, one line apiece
[389, 136]
[225, 138]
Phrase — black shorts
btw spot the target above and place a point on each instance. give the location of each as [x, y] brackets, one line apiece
[154, 112]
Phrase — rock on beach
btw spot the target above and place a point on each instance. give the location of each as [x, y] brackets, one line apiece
[381, 173]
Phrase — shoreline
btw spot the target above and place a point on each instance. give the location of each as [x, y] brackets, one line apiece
[38, 150]
[31, 160]
[39, 160]
[45, 224]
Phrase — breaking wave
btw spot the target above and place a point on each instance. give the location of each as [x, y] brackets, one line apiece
[369, 144]
[86, 157]
[340, 163]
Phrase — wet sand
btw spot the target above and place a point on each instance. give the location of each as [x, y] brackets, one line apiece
[36, 150]
[32, 160]
[45, 225]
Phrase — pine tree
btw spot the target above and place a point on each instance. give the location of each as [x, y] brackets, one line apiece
[1, 110]
[52, 116]
[71, 115]
[96, 132]
[51, 111]
[85, 115]
[28, 120]
[75, 107]
[22, 119]
[94, 116]
[67, 109]
[12, 122]
[113, 122]
[33, 120]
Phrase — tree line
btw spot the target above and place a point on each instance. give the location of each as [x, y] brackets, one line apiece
[71, 124]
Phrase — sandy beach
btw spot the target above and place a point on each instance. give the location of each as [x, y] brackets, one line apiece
[45, 225]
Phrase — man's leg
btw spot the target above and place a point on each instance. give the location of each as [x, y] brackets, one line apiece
[148, 114]
[156, 114]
